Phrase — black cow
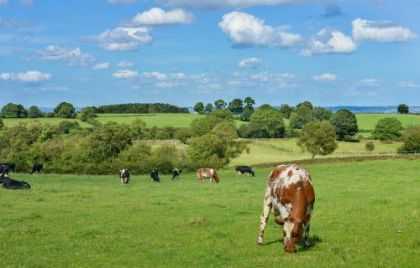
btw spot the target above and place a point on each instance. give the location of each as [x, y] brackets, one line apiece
[37, 168]
[5, 168]
[124, 176]
[245, 170]
[11, 184]
[176, 173]
[155, 175]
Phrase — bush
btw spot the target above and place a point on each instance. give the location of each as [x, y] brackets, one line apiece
[370, 146]
[183, 135]
[267, 122]
[387, 129]
[411, 140]
[87, 114]
[202, 126]
[1, 124]
[136, 158]
[345, 123]
[318, 138]
[138, 129]
[286, 110]
[65, 127]
[166, 158]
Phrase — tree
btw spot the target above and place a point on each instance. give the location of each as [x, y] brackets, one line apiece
[226, 130]
[345, 123]
[388, 129]
[247, 113]
[35, 112]
[87, 114]
[249, 102]
[199, 108]
[306, 104]
[403, 109]
[202, 126]
[411, 139]
[322, 114]
[1, 124]
[286, 110]
[209, 108]
[318, 138]
[301, 117]
[268, 121]
[12, 110]
[65, 110]
[220, 104]
[236, 106]
[370, 146]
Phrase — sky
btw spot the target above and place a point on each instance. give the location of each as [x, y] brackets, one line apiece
[332, 52]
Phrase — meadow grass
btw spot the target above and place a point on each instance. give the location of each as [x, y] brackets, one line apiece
[366, 215]
[367, 122]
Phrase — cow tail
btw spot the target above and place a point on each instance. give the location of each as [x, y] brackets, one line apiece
[216, 177]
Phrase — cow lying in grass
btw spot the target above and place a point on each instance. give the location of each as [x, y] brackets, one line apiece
[155, 175]
[245, 170]
[124, 176]
[9, 183]
[290, 195]
[209, 174]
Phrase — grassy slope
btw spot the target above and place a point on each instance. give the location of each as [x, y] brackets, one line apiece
[367, 122]
[366, 215]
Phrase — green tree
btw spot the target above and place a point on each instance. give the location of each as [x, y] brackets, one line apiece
[220, 104]
[202, 126]
[322, 114]
[199, 108]
[236, 106]
[1, 124]
[247, 113]
[411, 140]
[345, 123]
[138, 129]
[226, 130]
[65, 110]
[35, 112]
[209, 108]
[87, 114]
[12, 110]
[268, 121]
[318, 138]
[249, 102]
[286, 110]
[388, 129]
[403, 109]
[301, 117]
[307, 104]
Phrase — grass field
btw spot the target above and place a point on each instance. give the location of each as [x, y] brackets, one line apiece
[366, 215]
[367, 122]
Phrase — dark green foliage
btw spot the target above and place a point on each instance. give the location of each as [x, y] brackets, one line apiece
[140, 108]
[370, 146]
[388, 129]
[136, 158]
[202, 126]
[199, 108]
[220, 104]
[307, 104]
[302, 116]
[236, 106]
[266, 122]
[209, 108]
[65, 127]
[1, 124]
[345, 123]
[65, 110]
[286, 110]
[249, 102]
[247, 113]
[403, 109]
[35, 112]
[183, 134]
[166, 158]
[411, 140]
[87, 114]
[318, 138]
[12, 110]
[138, 129]
[322, 114]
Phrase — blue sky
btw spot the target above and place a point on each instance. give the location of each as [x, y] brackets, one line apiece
[332, 52]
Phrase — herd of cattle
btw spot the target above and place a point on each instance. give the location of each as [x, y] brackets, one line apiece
[289, 195]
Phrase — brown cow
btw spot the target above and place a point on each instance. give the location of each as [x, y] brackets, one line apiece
[290, 195]
[207, 173]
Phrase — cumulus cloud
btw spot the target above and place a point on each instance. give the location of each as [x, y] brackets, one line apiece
[380, 31]
[158, 16]
[370, 82]
[330, 41]
[122, 2]
[249, 63]
[155, 75]
[125, 64]
[248, 30]
[26, 77]
[125, 74]
[124, 38]
[102, 66]
[71, 56]
[325, 77]
[227, 3]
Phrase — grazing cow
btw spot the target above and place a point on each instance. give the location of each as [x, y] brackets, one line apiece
[207, 173]
[37, 168]
[290, 195]
[176, 173]
[155, 175]
[9, 183]
[124, 176]
[241, 170]
[5, 168]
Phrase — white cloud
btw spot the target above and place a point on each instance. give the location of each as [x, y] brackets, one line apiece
[249, 62]
[158, 16]
[330, 41]
[125, 64]
[370, 82]
[408, 84]
[26, 77]
[3, 2]
[227, 3]
[325, 77]
[71, 56]
[155, 75]
[125, 74]
[102, 66]
[123, 2]
[248, 30]
[124, 38]
[380, 31]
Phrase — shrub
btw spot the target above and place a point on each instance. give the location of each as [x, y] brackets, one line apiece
[202, 126]
[370, 146]
[183, 134]
[136, 158]
[387, 129]
[1, 124]
[65, 127]
[345, 123]
[318, 138]
[87, 114]
[138, 129]
[267, 122]
[411, 140]
[286, 110]
[166, 158]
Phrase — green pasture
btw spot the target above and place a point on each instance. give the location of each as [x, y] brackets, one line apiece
[367, 122]
[367, 215]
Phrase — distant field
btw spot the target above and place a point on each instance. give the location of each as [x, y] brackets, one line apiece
[366, 215]
[53, 121]
[367, 122]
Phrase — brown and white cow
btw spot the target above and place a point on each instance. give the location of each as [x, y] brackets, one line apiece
[207, 173]
[290, 195]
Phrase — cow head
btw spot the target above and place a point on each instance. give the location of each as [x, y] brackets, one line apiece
[293, 233]
[124, 173]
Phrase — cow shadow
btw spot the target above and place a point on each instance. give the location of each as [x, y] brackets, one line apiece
[313, 241]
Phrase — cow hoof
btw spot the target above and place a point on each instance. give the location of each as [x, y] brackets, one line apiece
[260, 241]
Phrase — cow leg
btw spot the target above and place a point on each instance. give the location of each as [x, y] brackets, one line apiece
[265, 215]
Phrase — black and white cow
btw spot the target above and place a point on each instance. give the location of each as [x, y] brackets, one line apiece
[11, 184]
[245, 170]
[155, 175]
[37, 168]
[5, 168]
[124, 176]
[176, 173]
